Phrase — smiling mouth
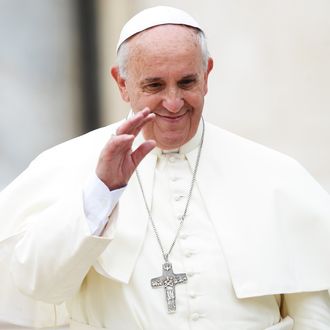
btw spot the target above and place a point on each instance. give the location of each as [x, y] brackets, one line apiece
[177, 117]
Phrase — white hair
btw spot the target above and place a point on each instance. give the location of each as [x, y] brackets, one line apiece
[123, 53]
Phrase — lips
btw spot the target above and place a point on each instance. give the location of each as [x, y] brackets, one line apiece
[172, 118]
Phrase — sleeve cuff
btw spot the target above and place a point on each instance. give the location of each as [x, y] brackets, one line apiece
[99, 201]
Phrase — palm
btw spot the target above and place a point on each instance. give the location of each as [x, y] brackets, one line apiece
[117, 162]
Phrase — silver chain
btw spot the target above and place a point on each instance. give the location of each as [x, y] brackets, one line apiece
[182, 218]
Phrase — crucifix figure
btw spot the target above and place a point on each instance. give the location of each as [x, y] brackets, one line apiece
[168, 280]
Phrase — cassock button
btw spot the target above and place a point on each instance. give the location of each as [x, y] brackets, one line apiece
[195, 316]
[192, 295]
[188, 254]
[177, 197]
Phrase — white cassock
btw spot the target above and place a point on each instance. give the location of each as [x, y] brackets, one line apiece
[255, 240]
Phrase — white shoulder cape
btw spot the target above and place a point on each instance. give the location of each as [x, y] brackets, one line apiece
[272, 218]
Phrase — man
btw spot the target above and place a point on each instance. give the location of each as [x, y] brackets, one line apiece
[163, 221]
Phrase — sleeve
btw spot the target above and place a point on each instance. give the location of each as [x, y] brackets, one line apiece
[56, 251]
[15, 307]
[309, 310]
[45, 239]
[99, 203]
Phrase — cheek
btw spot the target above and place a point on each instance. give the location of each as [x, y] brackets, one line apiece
[136, 101]
[196, 100]
[150, 101]
[148, 131]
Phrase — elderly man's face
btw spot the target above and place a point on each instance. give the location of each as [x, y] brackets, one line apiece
[165, 73]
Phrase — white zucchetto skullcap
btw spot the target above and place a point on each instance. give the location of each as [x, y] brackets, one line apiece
[152, 17]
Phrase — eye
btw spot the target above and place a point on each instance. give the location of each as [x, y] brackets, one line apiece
[152, 87]
[187, 83]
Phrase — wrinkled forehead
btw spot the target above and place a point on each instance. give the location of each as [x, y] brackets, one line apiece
[164, 49]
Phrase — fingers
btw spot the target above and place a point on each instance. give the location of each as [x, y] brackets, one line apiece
[142, 151]
[135, 124]
[113, 167]
[117, 145]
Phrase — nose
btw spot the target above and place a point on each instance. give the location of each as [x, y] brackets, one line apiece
[173, 101]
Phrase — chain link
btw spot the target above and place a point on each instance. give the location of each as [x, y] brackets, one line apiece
[182, 218]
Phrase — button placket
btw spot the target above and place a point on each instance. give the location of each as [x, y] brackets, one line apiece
[179, 185]
[172, 159]
[179, 182]
[190, 274]
[178, 197]
[183, 236]
[195, 316]
[174, 178]
[192, 295]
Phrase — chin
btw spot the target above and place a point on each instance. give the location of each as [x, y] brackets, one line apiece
[171, 142]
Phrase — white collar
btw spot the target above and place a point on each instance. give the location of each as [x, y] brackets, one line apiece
[185, 148]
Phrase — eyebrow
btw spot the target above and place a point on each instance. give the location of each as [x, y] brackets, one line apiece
[190, 76]
[156, 79]
[150, 80]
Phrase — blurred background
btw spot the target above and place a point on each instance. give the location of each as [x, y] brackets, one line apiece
[271, 81]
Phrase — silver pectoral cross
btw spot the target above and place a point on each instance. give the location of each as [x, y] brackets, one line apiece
[168, 280]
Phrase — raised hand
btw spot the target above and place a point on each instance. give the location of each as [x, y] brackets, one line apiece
[117, 161]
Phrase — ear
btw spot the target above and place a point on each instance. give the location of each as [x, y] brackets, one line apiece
[121, 83]
[207, 72]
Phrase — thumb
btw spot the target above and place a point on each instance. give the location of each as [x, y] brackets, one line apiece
[142, 151]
